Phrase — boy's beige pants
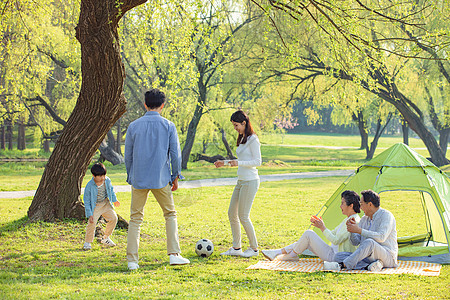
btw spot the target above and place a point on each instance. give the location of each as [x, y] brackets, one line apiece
[138, 200]
[106, 210]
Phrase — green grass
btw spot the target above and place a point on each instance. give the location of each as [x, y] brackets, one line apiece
[335, 140]
[16, 176]
[27, 153]
[45, 260]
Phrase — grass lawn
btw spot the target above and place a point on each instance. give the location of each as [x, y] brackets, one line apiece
[334, 140]
[45, 260]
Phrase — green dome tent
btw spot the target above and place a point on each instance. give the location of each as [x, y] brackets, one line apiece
[406, 181]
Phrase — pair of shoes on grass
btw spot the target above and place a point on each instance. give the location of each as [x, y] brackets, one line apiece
[105, 241]
[375, 266]
[173, 260]
[238, 252]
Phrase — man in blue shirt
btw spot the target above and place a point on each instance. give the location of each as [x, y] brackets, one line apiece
[151, 146]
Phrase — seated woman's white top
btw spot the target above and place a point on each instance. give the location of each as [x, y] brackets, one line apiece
[340, 237]
[249, 157]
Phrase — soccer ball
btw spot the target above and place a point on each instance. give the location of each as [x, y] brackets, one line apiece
[204, 248]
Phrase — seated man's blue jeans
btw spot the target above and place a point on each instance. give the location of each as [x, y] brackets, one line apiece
[368, 252]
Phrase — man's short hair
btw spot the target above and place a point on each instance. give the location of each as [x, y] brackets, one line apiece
[351, 197]
[371, 196]
[98, 169]
[154, 98]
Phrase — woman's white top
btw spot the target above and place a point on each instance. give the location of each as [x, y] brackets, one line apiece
[249, 157]
[340, 237]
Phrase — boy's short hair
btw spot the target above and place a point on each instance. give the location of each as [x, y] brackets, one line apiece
[154, 98]
[98, 169]
[371, 196]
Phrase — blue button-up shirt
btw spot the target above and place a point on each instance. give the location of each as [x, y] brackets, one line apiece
[151, 146]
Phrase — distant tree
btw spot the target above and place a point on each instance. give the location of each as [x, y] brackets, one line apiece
[365, 46]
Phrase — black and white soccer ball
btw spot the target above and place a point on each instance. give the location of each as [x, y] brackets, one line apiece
[204, 248]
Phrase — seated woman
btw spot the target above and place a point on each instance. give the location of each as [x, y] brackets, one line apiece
[339, 237]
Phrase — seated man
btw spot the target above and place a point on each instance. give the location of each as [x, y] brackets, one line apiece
[376, 236]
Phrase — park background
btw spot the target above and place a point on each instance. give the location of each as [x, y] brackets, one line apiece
[327, 84]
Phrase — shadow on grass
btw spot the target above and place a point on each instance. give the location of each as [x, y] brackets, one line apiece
[17, 225]
[14, 225]
[54, 264]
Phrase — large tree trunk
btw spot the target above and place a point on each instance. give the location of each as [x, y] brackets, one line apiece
[100, 104]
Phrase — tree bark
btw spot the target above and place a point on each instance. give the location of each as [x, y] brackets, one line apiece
[2, 138]
[110, 155]
[373, 145]
[443, 139]
[227, 146]
[21, 145]
[418, 125]
[210, 159]
[46, 145]
[190, 136]
[362, 127]
[111, 140]
[9, 134]
[405, 132]
[118, 147]
[442, 127]
[100, 104]
[192, 128]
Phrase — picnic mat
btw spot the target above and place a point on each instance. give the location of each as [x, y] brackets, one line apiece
[316, 264]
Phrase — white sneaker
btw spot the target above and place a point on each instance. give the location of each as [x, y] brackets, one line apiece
[233, 251]
[87, 246]
[133, 266]
[250, 252]
[331, 266]
[178, 260]
[376, 266]
[107, 242]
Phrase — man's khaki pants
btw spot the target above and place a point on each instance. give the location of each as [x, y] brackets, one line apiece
[138, 200]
